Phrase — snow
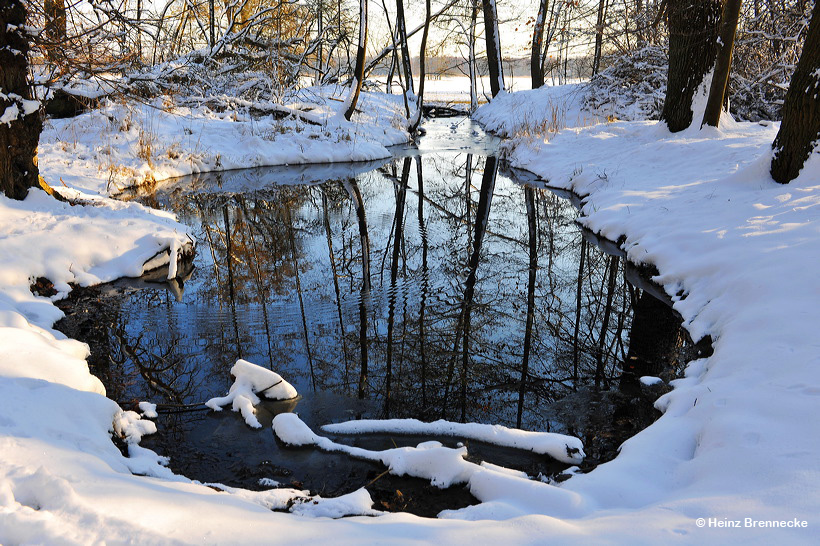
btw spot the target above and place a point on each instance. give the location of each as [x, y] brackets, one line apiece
[501, 490]
[252, 380]
[10, 114]
[736, 439]
[122, 145]
[567, 449]
[357, 503]
[649, 380]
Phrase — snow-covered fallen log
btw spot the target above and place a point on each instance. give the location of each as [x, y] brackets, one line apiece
[567, 449]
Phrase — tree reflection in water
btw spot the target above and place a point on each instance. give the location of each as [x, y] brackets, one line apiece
[495, 306]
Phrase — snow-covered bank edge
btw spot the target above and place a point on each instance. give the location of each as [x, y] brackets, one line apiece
[124, 144]
[735, 254]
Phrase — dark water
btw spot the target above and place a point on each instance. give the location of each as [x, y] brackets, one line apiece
[438, 284]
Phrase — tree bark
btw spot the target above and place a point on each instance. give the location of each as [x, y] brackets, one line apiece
[401, 29]
[723, 63]
[54, 29]
[599, 37]
[416, 120]
[800, 129]
[493, 46]
[536, 56]
[358, 74]
[693, 26]
[20, 133]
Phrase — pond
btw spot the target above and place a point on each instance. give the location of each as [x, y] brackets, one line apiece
[436, 284]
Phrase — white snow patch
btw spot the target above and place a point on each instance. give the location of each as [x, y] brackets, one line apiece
[252, 380]
[650, 380]
[567, 449]
[149, 410]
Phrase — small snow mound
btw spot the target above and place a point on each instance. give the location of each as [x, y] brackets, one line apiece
[131, 427]
[649, 380]
[357, 503]
[149, 410]
[293, 431]
[252, 380]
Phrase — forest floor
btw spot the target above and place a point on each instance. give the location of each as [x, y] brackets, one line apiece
[737, 252]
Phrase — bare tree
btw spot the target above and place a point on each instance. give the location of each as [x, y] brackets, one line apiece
[20, 123]
[723, 63]
[493, 46]
[361, 52]
[693, 28]
[800, 130]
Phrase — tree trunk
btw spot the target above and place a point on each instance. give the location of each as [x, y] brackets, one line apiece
[416, 120]
[723, 63]
[358, 74]
[493, 46]
[54, 29]
[693, 26]
[599, 37]
[20, 129]
[800, 129]
[471, 63]
[401, 29]
[211, 24]
[536, 56]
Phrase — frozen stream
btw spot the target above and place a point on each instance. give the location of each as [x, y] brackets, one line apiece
[437, 284]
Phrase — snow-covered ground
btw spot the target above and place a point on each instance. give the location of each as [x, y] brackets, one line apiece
[130, 143]
[737, 440]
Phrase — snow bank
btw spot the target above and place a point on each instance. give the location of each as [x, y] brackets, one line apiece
[735, 253]
[567, 449]
[536, 111]
[252, 380]
[357, 503]
[121, 145]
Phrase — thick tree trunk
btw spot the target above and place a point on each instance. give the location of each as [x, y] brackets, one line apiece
[536, 55]
[20, 122]
[493, 46]
[800, 129]
[693, 26]
[358, 74]
[723, 63]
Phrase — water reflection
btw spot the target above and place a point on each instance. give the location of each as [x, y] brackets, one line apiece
[431, 286]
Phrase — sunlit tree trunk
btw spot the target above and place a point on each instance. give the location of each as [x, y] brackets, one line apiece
[416, 121]
[800, 130]
[493, 47]
[20, 135]
[599, 36]
[471, 62]
[536, 55]
[361, 52]
[693, 26]
[54, 30]
[401, 31]
[723, 63]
